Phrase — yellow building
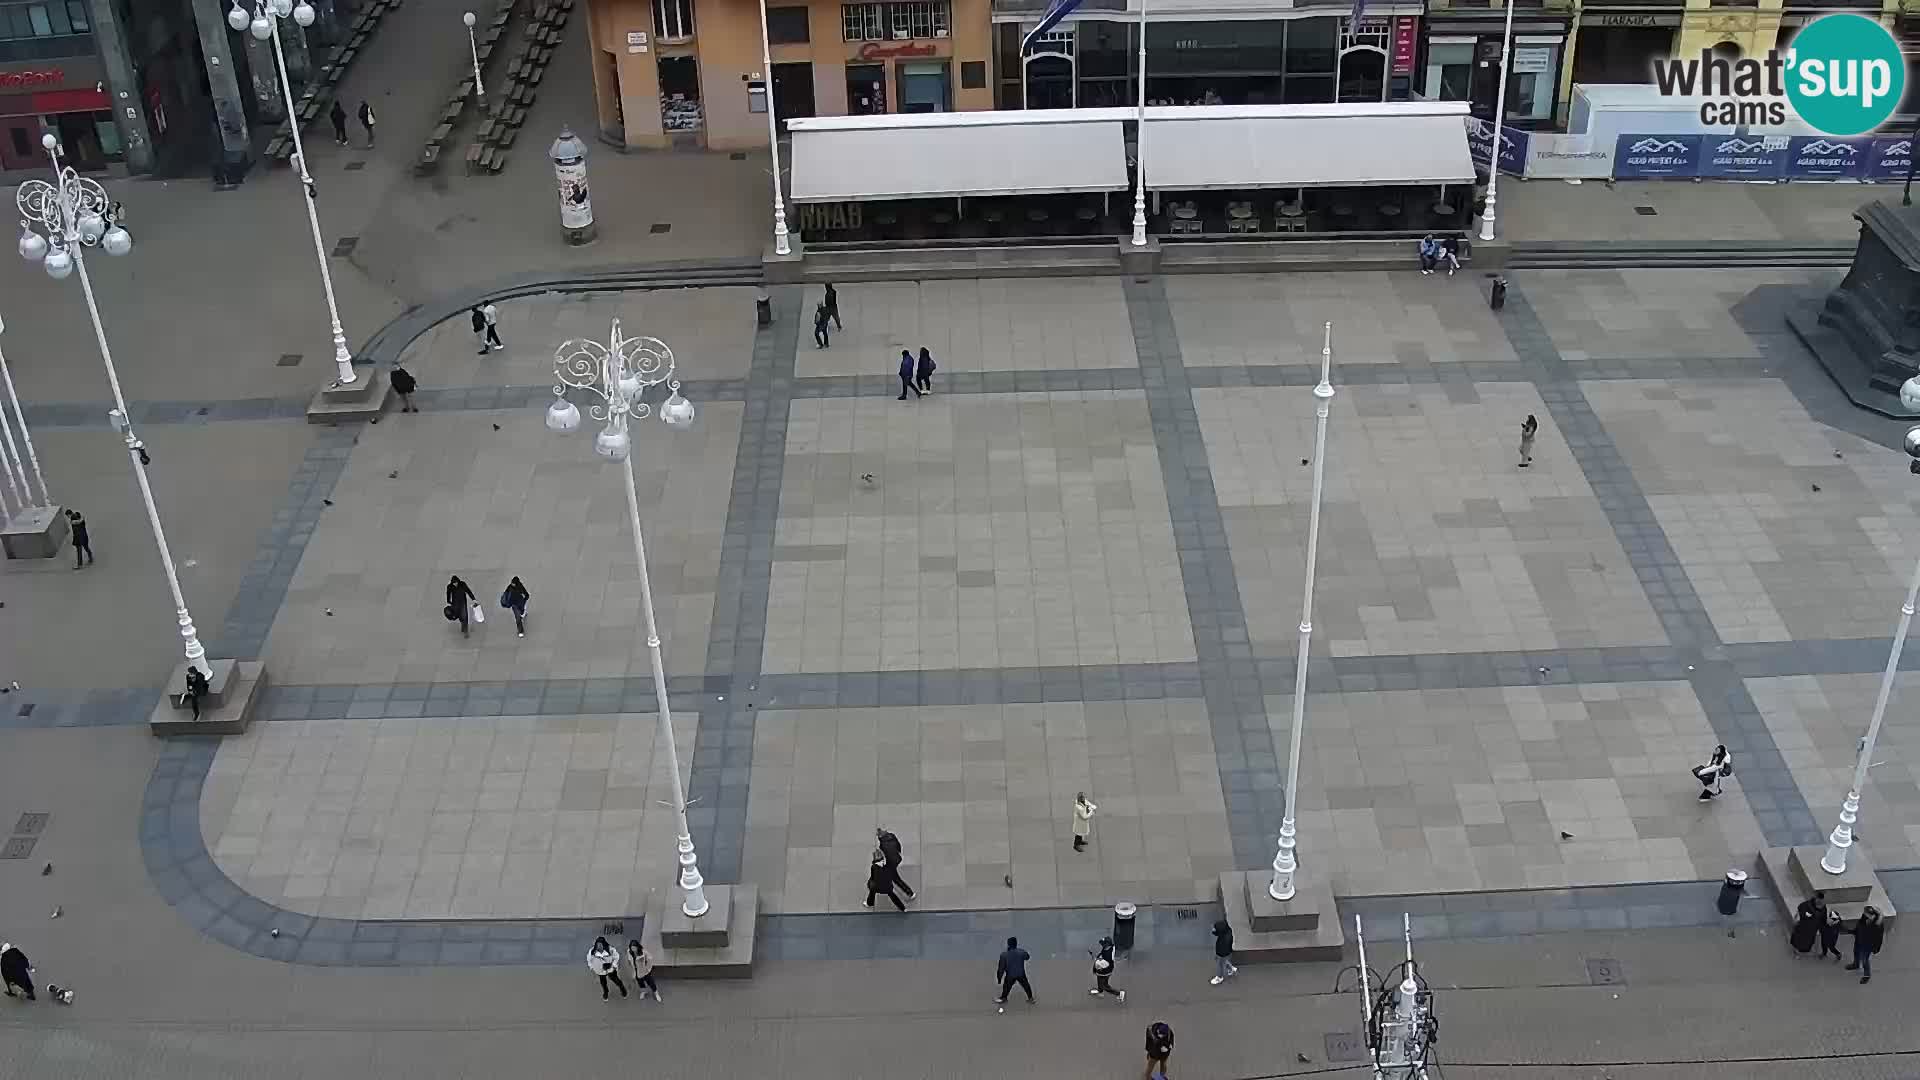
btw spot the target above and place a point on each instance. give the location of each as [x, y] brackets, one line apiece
[684, 73]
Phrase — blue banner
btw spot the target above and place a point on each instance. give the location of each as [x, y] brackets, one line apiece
[1513, 145]
[1657, 157]
[1889, 157]
[1057, 10]
[1744, 157]
[1823, 157]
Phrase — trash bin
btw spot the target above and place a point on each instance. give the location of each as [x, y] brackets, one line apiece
[1123, 914]
[1730, 892]
[1497, 298]
[762, 306]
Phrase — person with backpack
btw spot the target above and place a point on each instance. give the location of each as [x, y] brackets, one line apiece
[605, 963]
[404, 385]
[367, 121]
[890, 849]
[1718, 767]
[1159, 1049]
[1103, 971]
[642, 969]
[923, 371]
[1011, 971]
[514, 598]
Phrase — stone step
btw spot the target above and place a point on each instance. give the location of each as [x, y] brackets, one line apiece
[1314, 934]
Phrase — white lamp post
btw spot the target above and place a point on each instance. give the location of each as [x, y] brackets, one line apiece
[20, 417]
[473, 49]
[1499, 119]
[1284, 863]
[265, 26]
[618, 373]
[782, 245]
[1140, 142]
[73, 211]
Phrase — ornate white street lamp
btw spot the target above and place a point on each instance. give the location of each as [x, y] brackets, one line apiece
[473, 50]
[1284, 863]
[265, 26]
[1499, 120]
[75, 214]
[1140, 142]
[619, 373]
[781, 244]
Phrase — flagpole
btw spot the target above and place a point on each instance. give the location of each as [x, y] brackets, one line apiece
[1140, 142]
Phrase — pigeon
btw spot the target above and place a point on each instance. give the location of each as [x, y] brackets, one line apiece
[373, 419]
[1837, 453]
[1565, 835]
[496, 427]
[329, 613]
[394, 475]
[46, 870]
[1008, 878]
[1303, 461]
[1302, 1058]
[275, 932]
[329, 502]
[1815, 487]
[867, 478]
[56, 912]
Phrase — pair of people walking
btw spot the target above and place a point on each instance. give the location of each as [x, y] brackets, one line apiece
[605, 964]
[826, 311]
[916, 375]
[464, 607]
[1812, 920]
[486, 327]
[338, 116]
[883, 874]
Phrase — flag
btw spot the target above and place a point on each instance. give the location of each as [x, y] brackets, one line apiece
[1359, 10]
[1056, 10]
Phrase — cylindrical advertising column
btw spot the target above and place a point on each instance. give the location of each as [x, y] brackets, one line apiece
[569, 156]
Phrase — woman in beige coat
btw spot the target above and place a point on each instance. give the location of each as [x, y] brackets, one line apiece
[1082, 820]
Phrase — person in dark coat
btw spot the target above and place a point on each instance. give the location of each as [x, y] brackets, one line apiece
[890, 849]
[460, 601]
[906, 376]
[880, 881]
[15, 970]
[1830, 936]
[1868, 934]
[1103, 971]
[404, 385]
[820, 319]
[515, 599]
[832, 304]
[1011, 971]
[367, 121]
[82, 544]
[923, 371]
[338, 116]
[1807, 920]
[1223, 953]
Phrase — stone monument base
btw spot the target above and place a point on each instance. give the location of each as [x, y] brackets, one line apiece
[1795, 873]
[233, 691]
[1265, 930]
[38, 532]
[364, 400]
[1854, 375]
[717, 945]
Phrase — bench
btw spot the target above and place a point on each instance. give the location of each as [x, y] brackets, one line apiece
[473, 157]
[505, 141]
[429, 160]
[440, 135]
[517, 115]
[453, 110]
[495, 160]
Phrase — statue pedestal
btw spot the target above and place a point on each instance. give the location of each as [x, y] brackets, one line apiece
[1867, 332]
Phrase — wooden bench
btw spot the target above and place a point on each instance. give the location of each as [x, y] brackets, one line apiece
[495, 160]
[473, 157]
[517, 115]
[429, 160]
[453, 110]
[441, 134]
[507, 135]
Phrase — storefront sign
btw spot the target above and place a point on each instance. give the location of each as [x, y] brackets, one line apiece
[874, 50]
[1406, 44]
[1823, 157]
[32, 79]
[636, 41]
[1513, 145]
[1528, 61]
[1657, 157]
[830, 217]
[1744, 157]
[1889, 158]
[1628, 19]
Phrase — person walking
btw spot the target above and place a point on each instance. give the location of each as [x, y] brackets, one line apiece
[367, 121]
[605, 963]
[1830, 935]
[642, 970]
[1083, 810]
[890, 849]
[923, 371]
[491, 315]
[820, 317]
[1717, 768]
[1011, 971]
[1223, 953]
[403, 384]
[514, 598]
[1528, 428]
[832, 304]
[1868, 934]
[479, 323]
[82, 544]
[880, 881]
[1808, 918]
[15, 970]
[906, 375]
[1159, 1049]
[338, 115]
[1103, 971]
[461, 603]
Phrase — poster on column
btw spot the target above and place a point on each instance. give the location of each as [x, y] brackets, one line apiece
[576, 204]
[1823, 157]
[1513, 145]
[1657, 157]
[1744, 157]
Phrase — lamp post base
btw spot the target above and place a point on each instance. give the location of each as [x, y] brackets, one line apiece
[1795, 873]
[234, 690]
[1265, 930]
[364, 399]
[716, 945]
[38, 532]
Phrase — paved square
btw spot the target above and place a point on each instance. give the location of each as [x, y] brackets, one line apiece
[1818, 721]
[986, 324]
[1378, 318]
[429, 495]
[450, 817]
[1615, 314]
[982, 794]
[999, 530]
[1730, 468]
[1450, 790]
[1432, 538]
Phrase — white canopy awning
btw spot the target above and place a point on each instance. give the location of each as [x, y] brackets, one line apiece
[943, 155]
[1285, 146]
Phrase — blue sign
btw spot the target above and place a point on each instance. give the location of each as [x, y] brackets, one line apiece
[1823, 157]
[1744, 157]
[1889, 158]
[1513, 146]
[1657, 157]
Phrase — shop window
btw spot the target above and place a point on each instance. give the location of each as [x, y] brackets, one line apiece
[787, 25]
[55, 18]
[673, 20]
[1449, 71]
[866, 89]
[680, 94]
[1531, 80]
[973, 74]
[906, 20]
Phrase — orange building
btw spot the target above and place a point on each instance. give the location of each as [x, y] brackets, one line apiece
[681, 73]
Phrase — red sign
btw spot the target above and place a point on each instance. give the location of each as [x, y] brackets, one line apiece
[873, 50]
[31, 79]
[1406, 43]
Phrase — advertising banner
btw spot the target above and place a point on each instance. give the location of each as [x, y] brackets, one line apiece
[1513, 146]
[1657, 157]
[1823, 157]
[1888, 158]
[1744, 157]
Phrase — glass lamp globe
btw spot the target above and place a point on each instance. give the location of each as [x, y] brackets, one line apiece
[468, 19]
[614, 444]
[33, 246]
[91, 225]
[59, 263]
[117, 241]
[563, 416]
[261, 28]
[677, 412]
[50, 142]
[237, 18]
[282, 8]
[1909, 391]
[629, 385]
[303, 13]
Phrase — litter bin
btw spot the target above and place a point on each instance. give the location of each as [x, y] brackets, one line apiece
[762, 306]
[1123, 914]
[1497, 298]
[1731, 891]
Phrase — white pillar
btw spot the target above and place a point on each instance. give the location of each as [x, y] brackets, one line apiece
[1140, 142]
[342, 359]
[1499, 121]
[6, 375]
[781, 244]
[1835, 860]
[1284, 863]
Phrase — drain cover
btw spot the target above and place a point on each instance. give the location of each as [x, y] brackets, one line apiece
[660, 227]
[1345, 1046]
[31, 824]
[290, 359]
[1645, 211]
[18, 848]
[345, 245]
[737, 155]
[1605, 971]
[356, 166]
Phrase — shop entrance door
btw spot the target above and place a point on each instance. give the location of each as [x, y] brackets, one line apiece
[1049, 82]
[20, 142]
[1363, 74]
[792, 91]
[866, 89]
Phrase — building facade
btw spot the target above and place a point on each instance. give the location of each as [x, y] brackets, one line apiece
[688, 73]
[64, 68]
